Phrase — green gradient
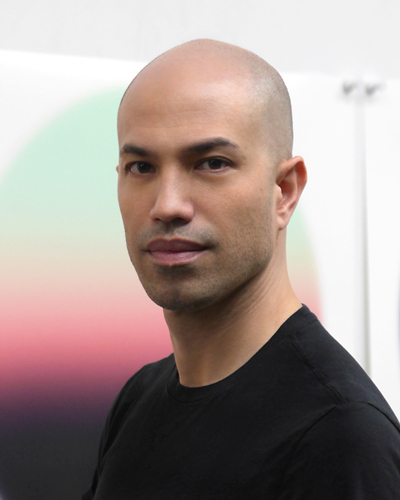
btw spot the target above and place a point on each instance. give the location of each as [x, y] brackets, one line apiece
[60, 191]
[298, 243]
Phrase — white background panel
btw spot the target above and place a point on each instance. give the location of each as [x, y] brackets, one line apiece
[383, 216]
[324, 136]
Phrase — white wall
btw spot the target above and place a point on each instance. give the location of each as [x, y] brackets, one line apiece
[329, 37]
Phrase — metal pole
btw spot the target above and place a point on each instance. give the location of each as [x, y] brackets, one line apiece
[357, 90]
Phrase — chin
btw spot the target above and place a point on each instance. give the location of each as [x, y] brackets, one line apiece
[179, 302]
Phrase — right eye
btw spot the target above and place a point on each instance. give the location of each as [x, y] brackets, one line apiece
[139, 167]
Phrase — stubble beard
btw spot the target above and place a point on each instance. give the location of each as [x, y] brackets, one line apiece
[193, 288]
[229, 274]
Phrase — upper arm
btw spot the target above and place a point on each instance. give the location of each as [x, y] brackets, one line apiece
[352, 453]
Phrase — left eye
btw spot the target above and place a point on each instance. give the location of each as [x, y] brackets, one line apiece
[213, 164]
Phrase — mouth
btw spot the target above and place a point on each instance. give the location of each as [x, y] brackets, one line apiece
[174, 252]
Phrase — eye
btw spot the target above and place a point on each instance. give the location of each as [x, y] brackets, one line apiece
[139, 167]
[213, 164]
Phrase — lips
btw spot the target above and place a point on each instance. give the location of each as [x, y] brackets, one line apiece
[174, 252]
[176, 245]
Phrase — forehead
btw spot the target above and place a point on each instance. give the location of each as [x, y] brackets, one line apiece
[187, 106]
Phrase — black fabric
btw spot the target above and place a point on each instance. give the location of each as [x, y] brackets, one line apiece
[299, 421]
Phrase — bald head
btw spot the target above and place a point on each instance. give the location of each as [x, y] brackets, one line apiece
[225, 67]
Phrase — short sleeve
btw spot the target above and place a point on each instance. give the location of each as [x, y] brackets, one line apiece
[352, 453]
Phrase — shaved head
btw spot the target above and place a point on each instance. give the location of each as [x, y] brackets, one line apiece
[261, 85]
[205, 138]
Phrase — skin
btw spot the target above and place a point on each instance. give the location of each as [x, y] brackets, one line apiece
[200, 161]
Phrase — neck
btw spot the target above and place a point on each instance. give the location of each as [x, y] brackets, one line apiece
[210, 344]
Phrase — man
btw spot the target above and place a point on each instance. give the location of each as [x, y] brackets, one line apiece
[257, 401]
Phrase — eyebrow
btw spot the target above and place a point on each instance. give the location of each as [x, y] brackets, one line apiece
[209, 144]
[131, 149]
[196, 148]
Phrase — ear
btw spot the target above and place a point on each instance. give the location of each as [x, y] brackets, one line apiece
[291, 177]
[117, 169]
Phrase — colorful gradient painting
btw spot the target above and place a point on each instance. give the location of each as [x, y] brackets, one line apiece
[73, 311]
[75, 322]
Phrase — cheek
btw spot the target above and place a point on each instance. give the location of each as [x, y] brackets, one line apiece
[246, 221]
[131, 207]
[252, 206]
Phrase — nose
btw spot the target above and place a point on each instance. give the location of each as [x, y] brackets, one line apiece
[173, 200]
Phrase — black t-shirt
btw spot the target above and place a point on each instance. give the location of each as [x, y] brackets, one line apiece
[299, 421]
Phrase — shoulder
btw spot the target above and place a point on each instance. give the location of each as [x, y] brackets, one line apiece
[149, 375]
[143, 384]
[358, 428]
[331, 366]
[352, 452]
[149, 378]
